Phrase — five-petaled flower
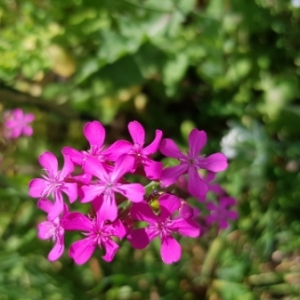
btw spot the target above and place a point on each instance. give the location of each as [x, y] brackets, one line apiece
[220, 213]
[17, 122]
[191, 163]
[99, 231]
[54, 183]
[163, 226]
[141, 154]
[110, 183]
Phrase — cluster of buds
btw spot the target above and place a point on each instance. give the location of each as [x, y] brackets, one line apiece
[109, 179]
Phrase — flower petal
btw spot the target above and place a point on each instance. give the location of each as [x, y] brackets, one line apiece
[142, 212]
[115, 150]
[29, 117]
[186, 227]
[71, 190]
[223, 224]
[170, 149]
[210, 176]
[168, 204]
[231, 214]
[97, 203]
[153, 147]
[123, 165]
[211, 219]
[10, 123]
[138, 238]
[76, 221]
[75, 155]
[82, 250]
[18, 114]
[187, 211]
[45, 230]
[90, 192]
[108, 209]
[211, 206]
[49, 162]
[216, 162]
[57, 251]
[227, 201]
[170, 250]
[94, 133]
[119, 229]
[170, 175]
[197, 140]
[95, 167]
[153, 169]
[57, 208]
[196, 186]
[45, 205]
[68, 167]
[82, 179]
[137, 132]
[133, 191]
[27, 130]
[16, 132]
[37, 187]
[111, 249]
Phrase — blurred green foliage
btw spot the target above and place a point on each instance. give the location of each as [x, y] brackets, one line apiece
[229, 67]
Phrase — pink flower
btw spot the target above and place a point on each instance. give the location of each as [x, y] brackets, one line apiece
[109, 184]
[17, 123]
[141, 154]
[99, 233]
[221, 213]
[191, 162]
[162, 225]
[54, 182]
[52, 229]
[95, 134]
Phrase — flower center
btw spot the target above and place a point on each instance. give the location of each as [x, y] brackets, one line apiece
[54, 184]
[162, 228]
[136, 150]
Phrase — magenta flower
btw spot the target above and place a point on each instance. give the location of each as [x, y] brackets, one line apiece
[54, 182]
[109, 184]
[17, 123]
[191, 162]
[141, 154]
[162, 226]
[220, 213]
[52, 229]
[95, 134]
[99, 233]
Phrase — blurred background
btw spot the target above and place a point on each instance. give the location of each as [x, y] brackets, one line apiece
[229, 67]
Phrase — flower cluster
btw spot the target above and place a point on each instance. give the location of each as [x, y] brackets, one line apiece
[105, 177]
